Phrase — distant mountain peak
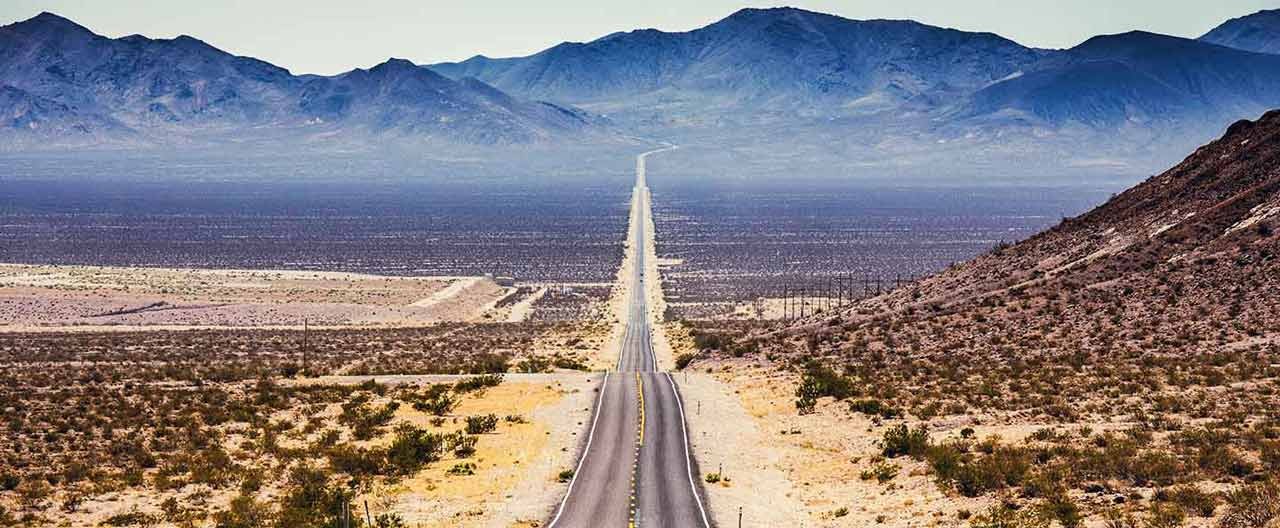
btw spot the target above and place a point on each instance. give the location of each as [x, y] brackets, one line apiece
[1259, 33]
[47, 22]
[394, 62]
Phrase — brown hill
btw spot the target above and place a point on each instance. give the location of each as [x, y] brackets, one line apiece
[1186, 261]
[1120, 365]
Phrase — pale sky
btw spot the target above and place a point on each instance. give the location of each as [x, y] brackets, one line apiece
[327, 37]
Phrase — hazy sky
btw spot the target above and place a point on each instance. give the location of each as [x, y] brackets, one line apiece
[318, 36]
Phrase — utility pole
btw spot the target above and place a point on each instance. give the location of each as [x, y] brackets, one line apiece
[786, 303]
[305, 346]
[739, 516]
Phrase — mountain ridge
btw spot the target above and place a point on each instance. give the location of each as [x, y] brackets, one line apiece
[76, 87]
[1258, 32]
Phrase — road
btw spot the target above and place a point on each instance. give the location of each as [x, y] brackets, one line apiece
[636, 470]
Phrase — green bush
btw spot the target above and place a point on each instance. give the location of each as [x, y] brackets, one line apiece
[244, 512]
[365, 421]
[482, 424]
[1192, 499]
[131, 518]
[1062, 508]
[462, 445]
[882, 472]
[874, 407]
[310, 500]
[9, 481]
[830, 383]
[534, 365]
[1006, 516]
[357, 462]
[901, 440]
[463, 469]
[477, 383]
[412, 449]
[683, 360]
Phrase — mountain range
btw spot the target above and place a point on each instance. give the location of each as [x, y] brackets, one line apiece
[62, 84]
[819, 65]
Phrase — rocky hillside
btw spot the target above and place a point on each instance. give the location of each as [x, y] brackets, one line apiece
[1120, 369]
[1187, 258]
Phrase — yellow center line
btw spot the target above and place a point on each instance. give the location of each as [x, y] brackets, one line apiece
[640, 387]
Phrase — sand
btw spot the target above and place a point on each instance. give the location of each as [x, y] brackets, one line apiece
[90, 297]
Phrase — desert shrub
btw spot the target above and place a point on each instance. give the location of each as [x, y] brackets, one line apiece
[874, 407]
[482, 424]
[830, 383]
[1164, 515]
[533, 365]
[356, 461]
[462, 469]
[487, 363]
[807, 396]
[1269, 454]
[32, 493]
[683, 360]
[9, 481]
[1153, 467]
[412, 449]
[708, 341]
[901, 440]
[1192, 499]
[310, 500]
[133, 517]
[1063, 509]
[1252, 506]
[570, 363]
[1007, 516]
[462, 445]
[365, 421]
[244, 511]
[882, 472]
[388, 520]
[438, 406]
[477, 383]
[565, 476]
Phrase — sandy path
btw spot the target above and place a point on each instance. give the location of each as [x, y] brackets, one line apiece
[521, 311]
[449, 292]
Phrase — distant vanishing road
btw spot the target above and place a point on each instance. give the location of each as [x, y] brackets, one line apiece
[636, 470]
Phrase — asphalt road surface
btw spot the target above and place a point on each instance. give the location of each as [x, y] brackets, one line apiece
[636, 469]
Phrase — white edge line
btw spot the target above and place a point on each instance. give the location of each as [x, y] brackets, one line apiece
[688, 462]
[585, 451]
